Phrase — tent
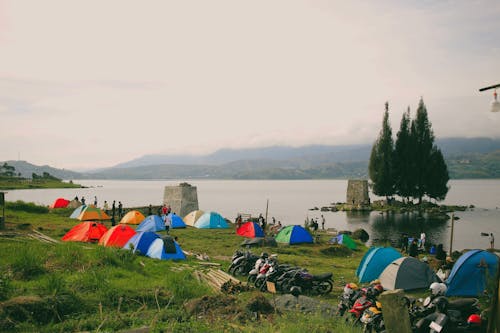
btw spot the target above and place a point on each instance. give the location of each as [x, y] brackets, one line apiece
[151, 223]
[176, 221]
[77, 212]
[92, 213]
[211, 220]
[251, 230]
[85, 232]
[344, 240]
[151, 245]
[74, 204]
[117, 236]
[407, 273]
[133, 217]
[374, 261]
[293, 234]
[259, 241]
[191, 218]
[470, 274]
[60, 203]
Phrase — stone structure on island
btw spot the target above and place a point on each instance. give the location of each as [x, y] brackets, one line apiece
[182, 199]
[357, 193]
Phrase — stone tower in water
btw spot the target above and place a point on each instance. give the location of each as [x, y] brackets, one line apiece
[182, 199]
[357, 192]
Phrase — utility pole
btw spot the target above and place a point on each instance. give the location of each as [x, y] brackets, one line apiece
[451, 234]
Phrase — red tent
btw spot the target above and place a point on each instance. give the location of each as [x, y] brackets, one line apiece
[117, 236]
[88, 231]
[60, 203]
[250, 229]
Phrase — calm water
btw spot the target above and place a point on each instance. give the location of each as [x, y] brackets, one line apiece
[290, 202]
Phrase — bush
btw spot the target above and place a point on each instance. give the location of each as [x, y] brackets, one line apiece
[26, 207]
[28, 263]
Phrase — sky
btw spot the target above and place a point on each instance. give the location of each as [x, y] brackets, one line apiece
[87, 84]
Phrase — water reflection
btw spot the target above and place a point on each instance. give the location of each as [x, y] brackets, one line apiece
[387, 228]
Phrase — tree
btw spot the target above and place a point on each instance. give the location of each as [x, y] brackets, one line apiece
[437, 185]
[7, 170]
[403, 162]
[380, 166]
[422, 139]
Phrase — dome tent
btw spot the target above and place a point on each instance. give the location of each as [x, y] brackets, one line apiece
[345, 240]
[471, 272]
[60, 203]
[176, 221]
[77, 212]
[151, 223]
[375, 261]
[251, 230]
[88, 231]
[133, 217]
[294, 234]
[117, 236]
[407, 273]
[152, 245]
[211, 220]
[191, 218]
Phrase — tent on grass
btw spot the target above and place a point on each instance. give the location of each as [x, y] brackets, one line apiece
[251, 230]
[176, 221]
[191, 218]
[92, 213]
[117, 236]
[60, 203]
[293, 234]
[77, 212]
[375, 261]
[211, 220]
[152, 245]
[74, 204]
[407, 273]
[151, 223]
[470, 274]
[85, 232]
[133, 217]
[344, 240]
[259, 241]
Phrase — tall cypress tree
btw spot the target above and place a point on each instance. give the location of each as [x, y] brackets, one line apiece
[437, 180]
[403, 159]
[380, 166]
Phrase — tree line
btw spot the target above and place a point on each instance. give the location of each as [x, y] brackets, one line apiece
[412, 166]
[9, 171]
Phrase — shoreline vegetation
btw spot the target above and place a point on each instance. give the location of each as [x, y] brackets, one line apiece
[27, 184]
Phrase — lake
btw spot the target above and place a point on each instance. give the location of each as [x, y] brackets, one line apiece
[290, 202]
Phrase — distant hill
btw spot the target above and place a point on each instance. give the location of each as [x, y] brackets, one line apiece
[466, 158]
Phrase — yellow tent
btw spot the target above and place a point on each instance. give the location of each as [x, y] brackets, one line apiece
[133, 217]
[92, 213]
[191, 218]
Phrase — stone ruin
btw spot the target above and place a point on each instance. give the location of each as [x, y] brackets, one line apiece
[182, 199]
[357, 193]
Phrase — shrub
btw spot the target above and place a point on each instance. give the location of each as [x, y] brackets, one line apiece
[28, 263]
[26, 207]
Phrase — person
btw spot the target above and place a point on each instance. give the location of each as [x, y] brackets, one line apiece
[413, 252]
[164, 210]
[315, 224]
[150, 210]
[238, 221]
[83, 200]
[404, 243]
[322, 222]
[95, 201]
[440, 253]
[105, 207]
[492, 241]
[274, 221]
[113, 211]
[76, 198]
[167, 223]
[422, 240]
[120, 210]
[262, 223]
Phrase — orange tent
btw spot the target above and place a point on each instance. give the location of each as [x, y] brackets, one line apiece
[133, 217]
[117, 236]
[85, 232]
[60, 203]
[92, 213]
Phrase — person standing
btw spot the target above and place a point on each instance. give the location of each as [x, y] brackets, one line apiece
[150, 210]
[492, 241]
[106, 207]
[414, 248]
[422, 240]
[83, 200]
[120, 210]
[113, 211]
[95, 201]
[322, 222]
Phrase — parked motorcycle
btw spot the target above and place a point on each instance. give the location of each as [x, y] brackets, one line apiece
[346, 300]
[320, 284]
[243, 264]
[372, 319]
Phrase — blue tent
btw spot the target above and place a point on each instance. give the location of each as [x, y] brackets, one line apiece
[151, 223]
[375, 261]
[293, 234]
[176, 221]
[470, 273]
[153, 246]
[141, 241]
[77, 212]
[211, 220]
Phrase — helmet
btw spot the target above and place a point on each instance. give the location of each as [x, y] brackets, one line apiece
[438, 289]
[352, 285]
[441, 304]
[264, 255]
[378, 289]
[474, 319]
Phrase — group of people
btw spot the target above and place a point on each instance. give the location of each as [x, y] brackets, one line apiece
[116, 210]
[412, 245]
[273, 227]
[313, 223]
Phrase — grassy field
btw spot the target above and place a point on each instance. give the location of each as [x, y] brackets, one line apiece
[18, 184]
[68, 287]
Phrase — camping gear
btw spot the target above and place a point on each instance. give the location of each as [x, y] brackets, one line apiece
[211, 220]
[117, 236]
[191, 218]
[132, 217]
[176, 221]
[345, 240]
[85, 232]
[60, 203]
[151, 223]
[152, 245]
[259, 241]
[92, 213]
[471, 272]
[407, 273]
[77, 212]
[251, 230]
[294, 234]
[375, 261]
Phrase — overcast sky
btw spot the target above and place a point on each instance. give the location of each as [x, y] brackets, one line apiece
[86, 84]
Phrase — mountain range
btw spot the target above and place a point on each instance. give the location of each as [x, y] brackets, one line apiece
[465, 157]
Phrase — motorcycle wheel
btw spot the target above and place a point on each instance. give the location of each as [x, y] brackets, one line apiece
[324, 287]
[251, 278]
[259, 283]
[240, 270]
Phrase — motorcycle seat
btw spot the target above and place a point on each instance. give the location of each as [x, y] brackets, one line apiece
[323, 276]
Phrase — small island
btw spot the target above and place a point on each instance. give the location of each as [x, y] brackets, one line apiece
[10, 179]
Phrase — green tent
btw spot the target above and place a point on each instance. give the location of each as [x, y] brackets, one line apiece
[294, 234]
[344, 240]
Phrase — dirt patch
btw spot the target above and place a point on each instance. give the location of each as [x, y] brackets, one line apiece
[337, 251]
[303, 304]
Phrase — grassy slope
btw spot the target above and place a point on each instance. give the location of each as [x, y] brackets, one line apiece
[78, 287]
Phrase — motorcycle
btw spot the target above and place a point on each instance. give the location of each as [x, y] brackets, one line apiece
[362, 303]
[349, 295]
[317, 284]
[372, 319]
[243, 264]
